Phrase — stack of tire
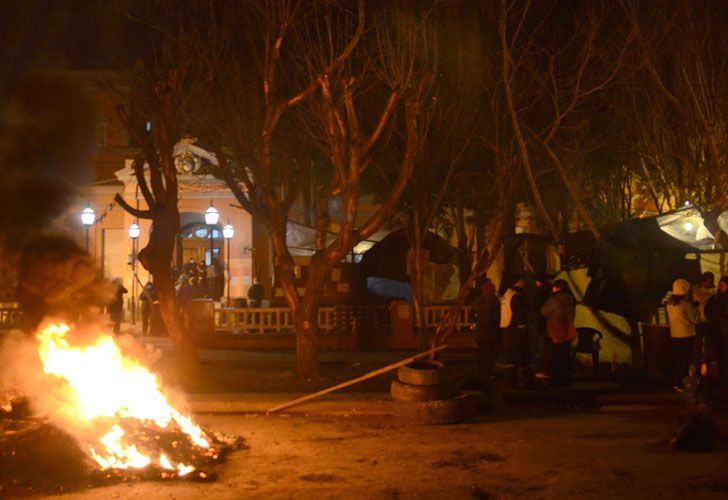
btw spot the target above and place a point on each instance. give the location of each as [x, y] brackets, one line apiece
[424, 397]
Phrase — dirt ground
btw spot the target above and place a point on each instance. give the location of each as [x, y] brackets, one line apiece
[522, 449]
[609, 453]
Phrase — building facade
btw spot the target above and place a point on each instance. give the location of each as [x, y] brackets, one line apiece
[108, 237]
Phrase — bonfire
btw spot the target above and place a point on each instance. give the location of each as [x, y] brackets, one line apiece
[116, 413]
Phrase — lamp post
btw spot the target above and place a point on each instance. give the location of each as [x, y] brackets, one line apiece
[228, 231]
[134, 235]
[88, 216]
[211, 218]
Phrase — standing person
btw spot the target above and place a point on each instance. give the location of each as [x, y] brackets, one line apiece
[702, 292]
[116, 307]
[682, 316]
[543, 342]
[255, 293]
[486, 307]
[560, 311]
[147, 299]
[716, 310]
[514, 325]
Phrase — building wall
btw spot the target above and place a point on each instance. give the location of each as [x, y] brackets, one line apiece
[108, 239]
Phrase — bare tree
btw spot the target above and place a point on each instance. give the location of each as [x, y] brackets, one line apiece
[682, 93]
[549, 80]
[156, 175]
[260, 69]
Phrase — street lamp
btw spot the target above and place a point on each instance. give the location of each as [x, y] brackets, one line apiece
[228, 231]
[88, 216]
[211, 218]
[134, 235]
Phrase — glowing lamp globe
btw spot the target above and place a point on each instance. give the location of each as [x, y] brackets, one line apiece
[88, 216]
[211, 216]
[134, 231]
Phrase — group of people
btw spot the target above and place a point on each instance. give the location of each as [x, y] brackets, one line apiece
[149, 307]
[198, 280]
[698, 318]
[502, 326]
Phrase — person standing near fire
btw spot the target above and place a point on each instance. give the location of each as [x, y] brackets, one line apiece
[683, 317]
[486, 307]
[149, 299]
[560, 311]
[116, 308]
[514, 325]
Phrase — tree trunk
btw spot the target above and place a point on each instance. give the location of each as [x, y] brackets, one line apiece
[303, 311]
[306, 325]
[156, 258]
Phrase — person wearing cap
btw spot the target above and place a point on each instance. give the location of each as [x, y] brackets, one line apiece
[682, 316]
[560, 311]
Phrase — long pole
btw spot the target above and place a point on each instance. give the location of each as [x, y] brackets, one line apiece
[133, 281]
[210, 245]
[86, 239]
[364, 377]
[227, 265]
[208, 270]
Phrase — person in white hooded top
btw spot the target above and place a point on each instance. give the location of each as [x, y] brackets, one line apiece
[682, 316]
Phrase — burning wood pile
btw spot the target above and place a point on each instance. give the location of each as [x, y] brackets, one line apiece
[101, 417]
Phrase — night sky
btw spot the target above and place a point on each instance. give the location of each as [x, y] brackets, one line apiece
[68, 34]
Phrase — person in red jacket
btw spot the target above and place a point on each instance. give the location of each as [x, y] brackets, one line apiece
[560, 310]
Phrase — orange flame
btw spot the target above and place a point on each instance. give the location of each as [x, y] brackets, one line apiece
[102, 386]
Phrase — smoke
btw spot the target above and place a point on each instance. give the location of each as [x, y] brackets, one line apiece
[22, 375]
[47, 146]
[58, 278]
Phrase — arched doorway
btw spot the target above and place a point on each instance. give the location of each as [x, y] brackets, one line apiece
[199, 243]
[194, 242]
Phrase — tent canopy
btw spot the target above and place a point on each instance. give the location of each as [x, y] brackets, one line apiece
[633, 266]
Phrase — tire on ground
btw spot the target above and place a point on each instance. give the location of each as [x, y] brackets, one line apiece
[422, 373]
[441, 411]
[407, 392]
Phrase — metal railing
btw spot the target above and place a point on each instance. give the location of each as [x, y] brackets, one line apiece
[435, 313]
[277, 320]
[259, 320]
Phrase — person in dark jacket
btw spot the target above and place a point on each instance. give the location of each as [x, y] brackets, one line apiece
[116, 307]
[560, 310]
[149, 299]
[514, 325]
[543, 343]
[716, 310]
[486, 307]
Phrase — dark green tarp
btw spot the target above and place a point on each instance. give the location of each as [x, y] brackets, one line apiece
[633, 266]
